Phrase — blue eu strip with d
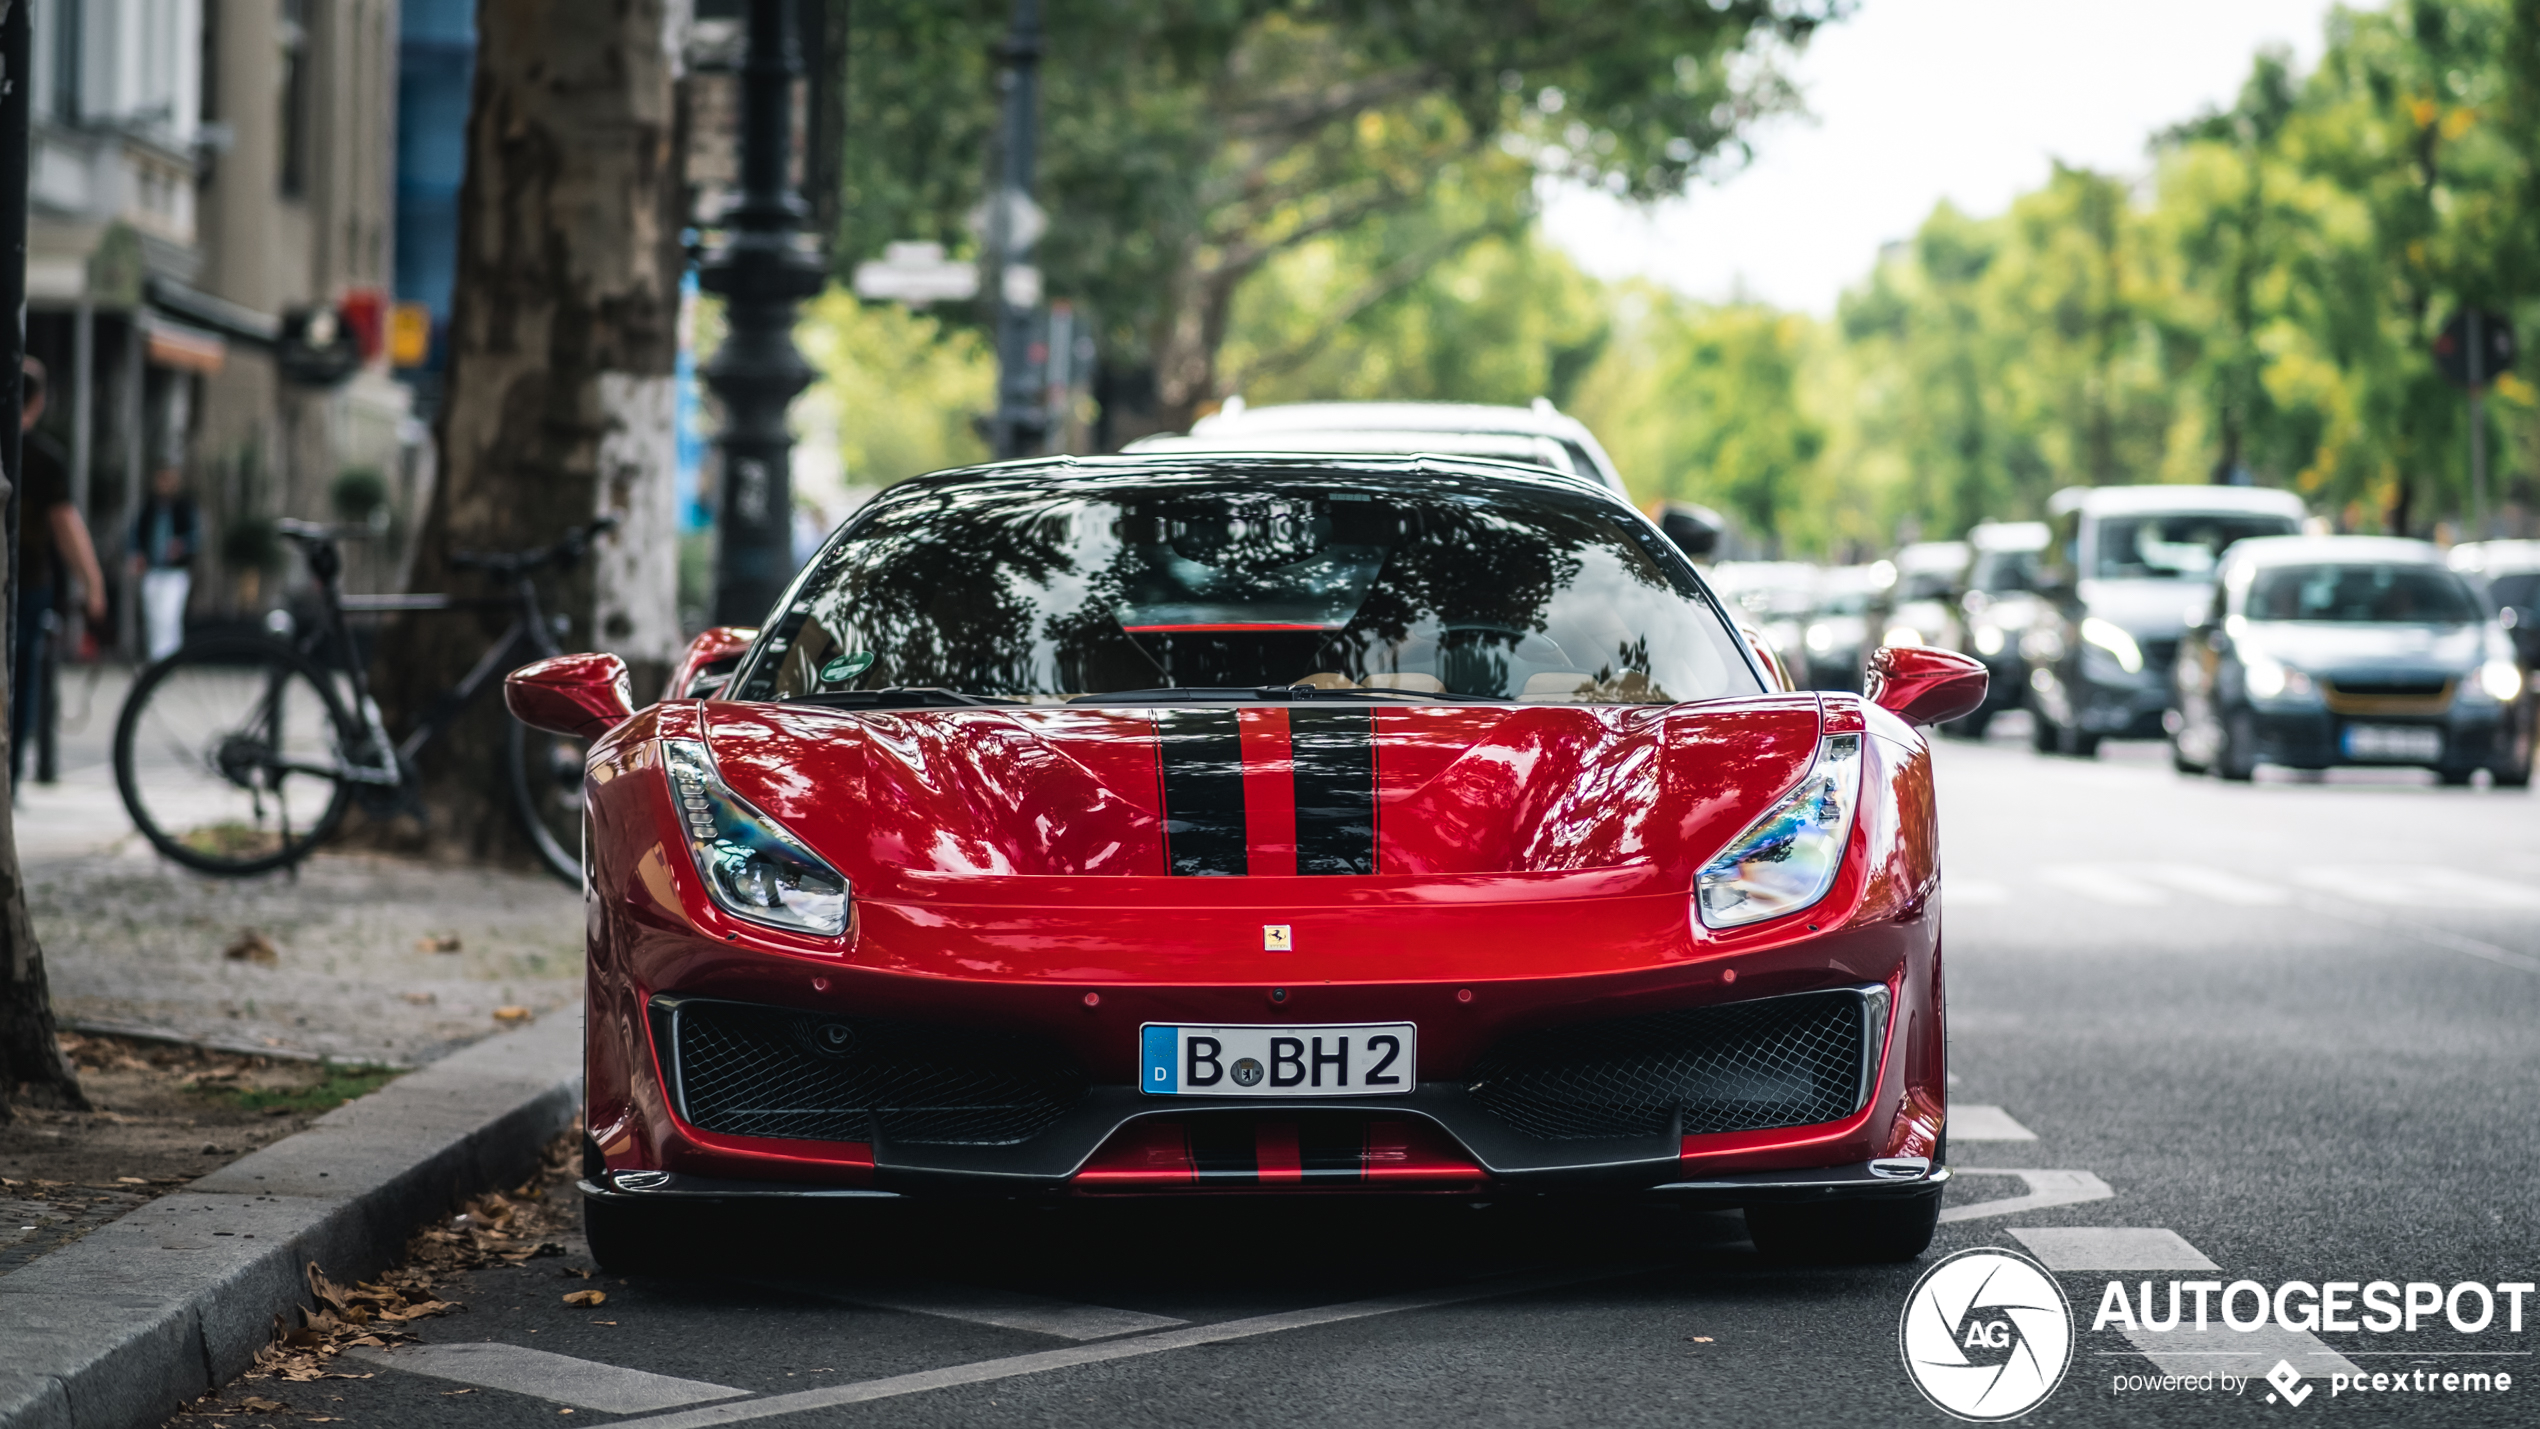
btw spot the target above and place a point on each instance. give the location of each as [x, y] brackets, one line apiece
[1163, 1051]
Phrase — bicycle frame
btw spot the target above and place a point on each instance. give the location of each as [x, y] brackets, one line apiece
[395, 759]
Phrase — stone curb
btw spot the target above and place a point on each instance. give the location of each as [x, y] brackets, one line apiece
[118, 1329]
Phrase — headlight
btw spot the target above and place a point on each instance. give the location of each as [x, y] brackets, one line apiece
[1902, 635]
[2111, 637]
[1988, 639]
[2268, 679]
[751, 866]
[1821, 637]
[1788, 857]
[2501, 679]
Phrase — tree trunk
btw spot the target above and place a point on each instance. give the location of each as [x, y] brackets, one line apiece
[1193, 330]
[30, 1055]
[563, 333]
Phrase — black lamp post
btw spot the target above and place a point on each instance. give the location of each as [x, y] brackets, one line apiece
[1022, 421]
[762, 272]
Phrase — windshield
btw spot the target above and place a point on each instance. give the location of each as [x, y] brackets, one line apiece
[2395, 594]
[1440, 585]
[2002, 572]
[2519, 589]
[2176, 545]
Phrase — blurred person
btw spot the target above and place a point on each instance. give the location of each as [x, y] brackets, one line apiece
[164, 534]
[50, 532]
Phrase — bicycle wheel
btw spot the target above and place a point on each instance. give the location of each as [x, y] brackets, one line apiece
[546, 780]
[231, 756]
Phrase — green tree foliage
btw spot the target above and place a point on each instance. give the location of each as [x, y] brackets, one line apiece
[2265, 305]
[1188, 144]
[1704, 403]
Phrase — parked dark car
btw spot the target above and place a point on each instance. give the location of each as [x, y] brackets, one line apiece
[2128, 567]
[2509, 572]
[1997, 607]
[2324, 650]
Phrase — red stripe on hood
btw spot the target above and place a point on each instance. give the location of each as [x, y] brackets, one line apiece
[1269, 793]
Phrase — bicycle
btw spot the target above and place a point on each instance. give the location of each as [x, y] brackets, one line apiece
[239, 754]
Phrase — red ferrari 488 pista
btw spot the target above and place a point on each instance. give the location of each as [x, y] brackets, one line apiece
[1175, 825]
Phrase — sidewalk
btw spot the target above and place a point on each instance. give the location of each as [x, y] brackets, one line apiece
[339, 961]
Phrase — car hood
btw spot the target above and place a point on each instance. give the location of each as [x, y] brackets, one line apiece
[903, 800]
[2330, 646]
[2156, 610]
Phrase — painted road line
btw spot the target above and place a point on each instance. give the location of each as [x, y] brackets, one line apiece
[2478, 948]
[1004, 1309]
[2111, 1248]
[1973, 892]
[1968, 1122]
[560, 1379]
[2418, 885]
[2217, 885]
[1013, 1366]
[2045, 1188]
[2105, 884]
[2218, 1348]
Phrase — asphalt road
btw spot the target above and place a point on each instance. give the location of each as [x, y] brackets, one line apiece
[2285, 1030]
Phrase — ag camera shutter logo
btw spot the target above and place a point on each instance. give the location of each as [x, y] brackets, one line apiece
[1986, 1335]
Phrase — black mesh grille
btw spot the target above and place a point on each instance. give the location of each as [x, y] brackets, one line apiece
[2159, 655]
[764, 1071]
[1780, 1061]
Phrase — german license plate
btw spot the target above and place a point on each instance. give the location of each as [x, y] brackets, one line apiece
[1349, 1059]
[2404, 743]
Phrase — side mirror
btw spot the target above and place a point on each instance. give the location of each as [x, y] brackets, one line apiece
[708, 662]
[1923, 684]
[1694, 529]
[584, 696]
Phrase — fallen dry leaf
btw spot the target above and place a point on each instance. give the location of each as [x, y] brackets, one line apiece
[251, 946]
[419, 999]
[132, 1180]
[255, 1405]
[511, 1015]
[585, 1298]
[437, 943]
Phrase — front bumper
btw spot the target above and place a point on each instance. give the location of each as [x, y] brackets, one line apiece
[2473, 736]
[1756, 1085]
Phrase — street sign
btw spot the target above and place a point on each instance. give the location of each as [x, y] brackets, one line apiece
[916, 274]
[2474, 347]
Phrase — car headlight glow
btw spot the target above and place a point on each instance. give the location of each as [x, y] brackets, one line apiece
[2501, 679]
[1820, 637]
[2270, 679]
[1788, 857]
[751, 865]
[1901, 635]
[1988, 639]
[2111, 637]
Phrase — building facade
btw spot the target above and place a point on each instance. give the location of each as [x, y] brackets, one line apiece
[211, 247]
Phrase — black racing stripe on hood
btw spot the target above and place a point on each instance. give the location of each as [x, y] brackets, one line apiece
[1335, 754]
[1203, 792]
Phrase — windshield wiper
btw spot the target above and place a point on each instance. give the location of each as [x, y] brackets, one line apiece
[895, 696]
[1275, 694]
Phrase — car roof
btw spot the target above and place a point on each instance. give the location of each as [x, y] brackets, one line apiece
[2496, 557]
[1390, 426]
[1924, 556]
[2009, 536]
[1518, 447]
[1541, 420]
[2331, 550]
[2132, 500]
[1093, 471]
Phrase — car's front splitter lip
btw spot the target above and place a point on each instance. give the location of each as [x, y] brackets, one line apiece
[1860, 1180]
